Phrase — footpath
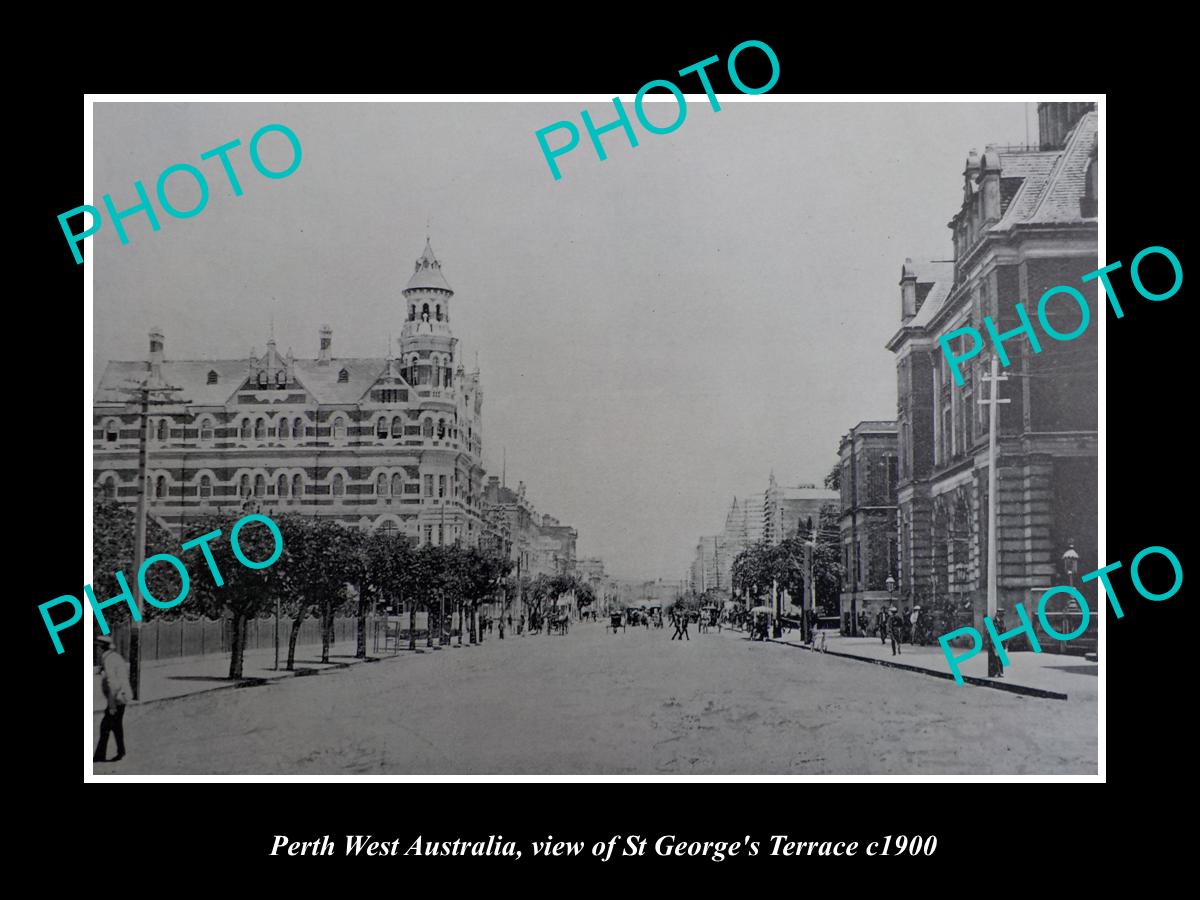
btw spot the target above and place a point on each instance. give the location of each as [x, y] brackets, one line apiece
[172, 678]
[1048, 674]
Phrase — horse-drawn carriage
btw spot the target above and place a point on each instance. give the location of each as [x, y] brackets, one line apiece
[557, 622]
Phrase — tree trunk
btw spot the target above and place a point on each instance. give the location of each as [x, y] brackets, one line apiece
[296, 623]
[361, 651]
[237, 646]
[412, 625]
[326, 631]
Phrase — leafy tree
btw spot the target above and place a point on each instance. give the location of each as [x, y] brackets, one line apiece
[244, 592]
[833, 481]
[319, 557]
[384, 559]
[113, 528]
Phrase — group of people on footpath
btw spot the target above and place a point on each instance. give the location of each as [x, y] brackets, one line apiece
[900, 626]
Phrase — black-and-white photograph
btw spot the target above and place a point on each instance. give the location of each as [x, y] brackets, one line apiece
[751, 448]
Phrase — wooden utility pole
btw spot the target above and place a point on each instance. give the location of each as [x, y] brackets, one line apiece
[152, 384]
[993, 403]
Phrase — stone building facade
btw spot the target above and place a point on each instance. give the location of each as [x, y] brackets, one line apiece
[869, 473]
[1027, 223]
[393, 443]
[539, 544]
[786, 508]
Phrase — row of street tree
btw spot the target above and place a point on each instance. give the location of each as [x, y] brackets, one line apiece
[325, 569]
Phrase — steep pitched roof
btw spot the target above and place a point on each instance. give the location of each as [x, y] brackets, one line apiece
[428, 272]
[191, 377]
[1054, 182]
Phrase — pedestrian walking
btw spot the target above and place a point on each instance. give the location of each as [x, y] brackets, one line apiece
[881, 625]
[895, 630]
[913, 622]
[521, 624]
[114, 681]
[681, 627]
[905, 625]
[501, 629]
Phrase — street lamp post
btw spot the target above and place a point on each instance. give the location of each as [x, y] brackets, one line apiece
[810, 547]
[1070, 561]
[891, 589]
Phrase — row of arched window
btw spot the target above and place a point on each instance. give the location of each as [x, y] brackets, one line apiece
[291, 429]
[286, 485]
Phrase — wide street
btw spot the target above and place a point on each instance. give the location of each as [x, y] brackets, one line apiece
[592, 702]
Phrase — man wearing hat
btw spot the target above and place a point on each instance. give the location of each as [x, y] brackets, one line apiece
[114, 681]
[895, 626]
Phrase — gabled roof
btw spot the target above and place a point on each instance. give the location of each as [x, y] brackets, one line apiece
[191, 377]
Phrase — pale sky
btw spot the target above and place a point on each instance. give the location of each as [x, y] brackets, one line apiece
[656, 332]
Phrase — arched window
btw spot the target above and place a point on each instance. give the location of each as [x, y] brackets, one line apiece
[206, 429]
[160, 486]
[412, 312]
[298, 429]
[260, 486]
[205, 486]
[381, 428]
[109, 488]
[427, 428]
[111, 431]
[262, 379]
[283, 429]
[245, 433]
[339, 429]
[297, 486]
[424, 312]
[281, 486]
[441, 428]
[244, 486]
[343, 376]
[212, 376]
[162, 429]
[449, 378]
[281, 378]
[339, 485]
[381, 485]
[260, 429]
[439, 312]
[397, 485]
[397, 427]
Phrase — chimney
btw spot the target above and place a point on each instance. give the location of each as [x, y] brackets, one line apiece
[156, 353]
[908, 292]
[970, 173]
[326, 346]
[990, 185]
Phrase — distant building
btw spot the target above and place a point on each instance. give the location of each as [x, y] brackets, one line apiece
[538, 544]
[1027, 223]
[785, 508]
[868, 474]
[712, 567]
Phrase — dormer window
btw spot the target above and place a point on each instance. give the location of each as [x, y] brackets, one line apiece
[262, 379]
[343, 376]
[111, 432]
[281, 378]
[212, 376]
[1090, 201]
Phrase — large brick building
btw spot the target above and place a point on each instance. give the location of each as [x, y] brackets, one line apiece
[392, 443]
[537, 543]
[1027, 223]
[869, 472]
